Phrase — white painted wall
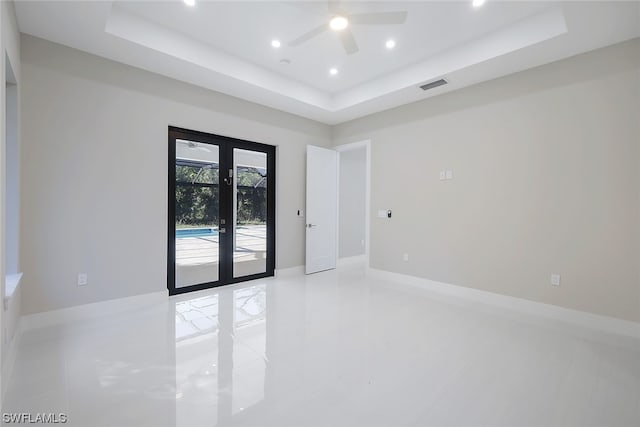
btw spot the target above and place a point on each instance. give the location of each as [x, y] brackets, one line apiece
[95, 176]
[546, 165]
[352, 202]
[10, 48]
[546, 168]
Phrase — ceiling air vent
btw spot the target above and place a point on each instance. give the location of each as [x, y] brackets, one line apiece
[433, 84]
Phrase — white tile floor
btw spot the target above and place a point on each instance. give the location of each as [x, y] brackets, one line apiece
[335, 348]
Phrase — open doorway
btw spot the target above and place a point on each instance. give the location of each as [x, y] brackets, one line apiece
[9, 232]
[11, 162]
[354, 203]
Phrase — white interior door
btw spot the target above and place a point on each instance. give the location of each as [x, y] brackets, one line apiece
[322, 209]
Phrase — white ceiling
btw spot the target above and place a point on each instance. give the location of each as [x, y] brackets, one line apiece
[225, 46]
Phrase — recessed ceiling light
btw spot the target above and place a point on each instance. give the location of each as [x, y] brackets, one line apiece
[333, 71]
[390, 44]
[338, 23]
[190, 2]
[478, 3]
[275, 43]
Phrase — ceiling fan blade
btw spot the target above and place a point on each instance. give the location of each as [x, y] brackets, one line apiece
[333, 6]
[382, 18]
[348, 41]
[309, 35]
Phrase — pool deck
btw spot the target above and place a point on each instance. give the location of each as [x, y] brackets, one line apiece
[197, 257]
[251, 242]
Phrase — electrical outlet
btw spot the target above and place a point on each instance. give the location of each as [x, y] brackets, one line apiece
[443, 175]
[82, 279]
[405, 257]
[555, 279]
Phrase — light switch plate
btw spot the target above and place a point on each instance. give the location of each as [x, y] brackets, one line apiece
[449, 174]
[555, 279]
[443, 175]
[82, 279]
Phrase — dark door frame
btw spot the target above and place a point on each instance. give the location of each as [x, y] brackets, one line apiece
[226, 146]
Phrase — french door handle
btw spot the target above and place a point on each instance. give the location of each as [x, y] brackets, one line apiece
[229, 180]
[311, 225]
[222, 230]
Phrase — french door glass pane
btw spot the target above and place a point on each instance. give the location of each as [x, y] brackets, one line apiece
[250, 213]
[197, 213]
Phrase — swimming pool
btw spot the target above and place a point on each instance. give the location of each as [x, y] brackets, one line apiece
[196, 232]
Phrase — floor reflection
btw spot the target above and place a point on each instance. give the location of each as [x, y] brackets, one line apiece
[331, 349]
[220, 354]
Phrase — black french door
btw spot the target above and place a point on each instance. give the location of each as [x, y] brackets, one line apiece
[221, 216]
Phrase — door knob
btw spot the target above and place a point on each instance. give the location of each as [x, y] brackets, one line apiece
[311, 225]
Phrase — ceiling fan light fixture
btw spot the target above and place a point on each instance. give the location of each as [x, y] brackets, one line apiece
[338, 23]
[390, 44]
[333, 71]
[275, 43]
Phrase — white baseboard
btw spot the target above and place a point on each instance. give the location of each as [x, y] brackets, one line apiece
[352, 260]
[90, 311]
[576, 317]
[341, 262]
[290, 272]
[581, 318]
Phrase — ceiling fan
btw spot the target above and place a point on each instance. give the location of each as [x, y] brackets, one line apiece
[339, 21]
